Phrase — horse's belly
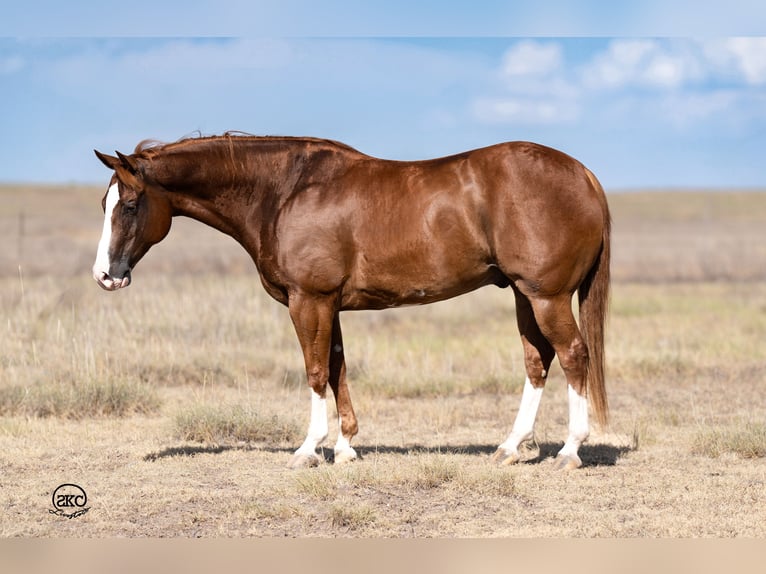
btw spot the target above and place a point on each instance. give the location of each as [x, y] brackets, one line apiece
[399, 290]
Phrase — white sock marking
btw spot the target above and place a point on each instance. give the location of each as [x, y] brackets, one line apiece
[524, 425]
[101, 266]
[578, 423]
[343, 449]
[318, 427]
[342, 443]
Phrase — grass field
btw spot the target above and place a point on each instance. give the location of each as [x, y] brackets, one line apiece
[175, 404]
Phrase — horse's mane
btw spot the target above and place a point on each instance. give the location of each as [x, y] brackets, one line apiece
[152, 147]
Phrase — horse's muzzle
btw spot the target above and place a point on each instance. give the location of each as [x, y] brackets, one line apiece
[110, 283]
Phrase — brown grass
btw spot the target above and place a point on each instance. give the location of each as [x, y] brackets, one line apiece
[177, 402]
[77, 400]
[235, 423]
[747, 440]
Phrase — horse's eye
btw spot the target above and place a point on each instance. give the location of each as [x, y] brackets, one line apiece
[130, 207]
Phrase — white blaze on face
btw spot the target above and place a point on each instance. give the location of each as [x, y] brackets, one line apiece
[101, 266]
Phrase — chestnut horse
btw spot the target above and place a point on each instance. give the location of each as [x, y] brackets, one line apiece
[331, 229]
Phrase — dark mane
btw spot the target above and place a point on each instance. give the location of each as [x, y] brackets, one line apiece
[151, 147]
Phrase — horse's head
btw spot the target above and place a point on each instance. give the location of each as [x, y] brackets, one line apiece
[137, 214]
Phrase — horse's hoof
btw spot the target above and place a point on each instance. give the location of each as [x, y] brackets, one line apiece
[567, 462]
[300, 460]
[503, 457]
[345, 455]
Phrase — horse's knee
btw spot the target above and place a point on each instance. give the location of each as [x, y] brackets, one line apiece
[317, 380]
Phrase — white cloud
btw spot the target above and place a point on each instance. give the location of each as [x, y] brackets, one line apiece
[687, 109]
[739, 59]
[615, 67]
[534, 88]
[665, 71]
[532, 59]
[535, 68]
[681, 82]
[520, 110]
[750, 58]
[643, 63]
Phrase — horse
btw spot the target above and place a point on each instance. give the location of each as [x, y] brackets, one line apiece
[332, 229]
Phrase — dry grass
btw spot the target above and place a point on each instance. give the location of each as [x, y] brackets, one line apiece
[689, 236]
[77, 400]
[177, 402]
[234, 423]
[747, 441]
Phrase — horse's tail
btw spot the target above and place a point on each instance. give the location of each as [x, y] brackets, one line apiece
[593, 296]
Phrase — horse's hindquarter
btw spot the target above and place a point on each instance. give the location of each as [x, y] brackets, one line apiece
[547, 217]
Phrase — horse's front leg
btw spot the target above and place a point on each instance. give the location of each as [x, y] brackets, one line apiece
[318, 329]
[312, 319]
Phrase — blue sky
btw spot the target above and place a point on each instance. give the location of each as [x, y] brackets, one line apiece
[641, 103]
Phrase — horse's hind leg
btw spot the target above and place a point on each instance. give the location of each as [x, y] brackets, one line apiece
[347, 425]
[538, 355]
[557, 323]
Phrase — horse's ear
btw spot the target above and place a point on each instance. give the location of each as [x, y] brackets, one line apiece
[109, 161]
[129, 163]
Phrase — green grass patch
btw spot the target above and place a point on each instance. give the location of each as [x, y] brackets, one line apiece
[235, 423]
[78, 400]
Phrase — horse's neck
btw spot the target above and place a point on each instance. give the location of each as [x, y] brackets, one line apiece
[227, 191]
